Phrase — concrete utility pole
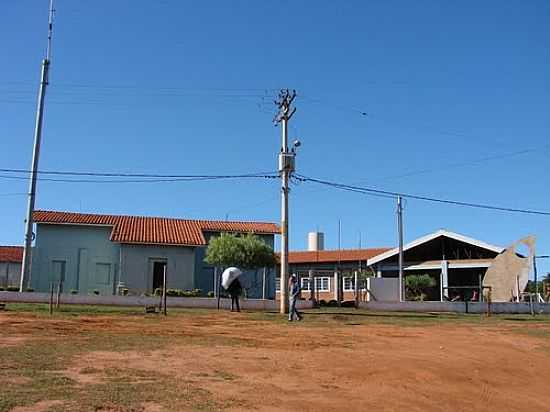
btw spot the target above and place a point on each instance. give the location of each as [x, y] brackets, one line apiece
[29, 235]
[400, 233]
[286, 168]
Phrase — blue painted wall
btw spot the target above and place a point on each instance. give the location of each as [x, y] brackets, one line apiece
[87, 260]
[90, 259]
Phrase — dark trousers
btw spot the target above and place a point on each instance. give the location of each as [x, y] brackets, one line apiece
[235, 303]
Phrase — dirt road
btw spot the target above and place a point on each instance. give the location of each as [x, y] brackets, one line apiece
[234, 362]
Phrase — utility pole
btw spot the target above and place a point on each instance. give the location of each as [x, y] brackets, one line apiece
[286, 168]
[400, 233]
[29, 235]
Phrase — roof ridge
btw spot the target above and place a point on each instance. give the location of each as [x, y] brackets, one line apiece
[341, 250]
[154, 217]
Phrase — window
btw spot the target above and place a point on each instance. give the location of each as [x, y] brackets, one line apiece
[349, 284]
[322, 284]
[305, 284]
[103, 273]
[277, 284]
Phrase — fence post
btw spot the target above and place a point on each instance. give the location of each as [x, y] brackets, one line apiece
[164, 290]
[58, 295]
[489, 303]
[51, 298]
[264, 285]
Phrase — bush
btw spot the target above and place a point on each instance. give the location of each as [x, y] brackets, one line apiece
[29, 290]
[332, 303]
[73, 292]
[210, 294]
[183, 293]
[158, 292]
[12, 288]
[322, 302]
[2, 288]
[124, 291]
[416, 285]
[95, 292]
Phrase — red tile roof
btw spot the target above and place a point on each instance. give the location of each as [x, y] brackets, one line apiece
[327, 256]
[154, 230]
[13, 254]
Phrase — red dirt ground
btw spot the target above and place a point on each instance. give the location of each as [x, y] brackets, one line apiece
[327, 364]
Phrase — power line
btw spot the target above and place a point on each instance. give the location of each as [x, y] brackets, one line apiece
[370, 191]
[122, 174]
[125, 177]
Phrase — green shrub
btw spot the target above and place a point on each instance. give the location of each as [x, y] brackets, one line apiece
[2, 288]
[29, 290]
[332, 303]
[124, 291]
[95, 292]
[158, 292]
[183, 293]
[322, 302]
[12, 288]
[210, 294]
[73, 292]
[416, 286]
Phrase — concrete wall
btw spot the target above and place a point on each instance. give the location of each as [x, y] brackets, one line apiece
[247, 304]
[454, 307]
[10, 274]
[383, 289]
[137, 266]
[91, 260]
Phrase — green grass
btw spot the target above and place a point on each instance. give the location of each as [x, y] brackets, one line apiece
[39, 363]
[75, 310]
[340, 317]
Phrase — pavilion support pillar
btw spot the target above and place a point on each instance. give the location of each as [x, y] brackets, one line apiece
[444, 283]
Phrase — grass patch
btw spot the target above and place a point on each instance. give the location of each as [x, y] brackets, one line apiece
[42, 360]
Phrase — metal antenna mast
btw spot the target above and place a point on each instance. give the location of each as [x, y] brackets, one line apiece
[29, 235]
[286, 168]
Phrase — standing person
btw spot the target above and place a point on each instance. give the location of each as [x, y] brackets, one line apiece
[293, 294]
[235, 289]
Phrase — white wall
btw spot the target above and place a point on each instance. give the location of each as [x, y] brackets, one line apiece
[383, 289]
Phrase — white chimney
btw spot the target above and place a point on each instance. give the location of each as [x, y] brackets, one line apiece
[315, 241]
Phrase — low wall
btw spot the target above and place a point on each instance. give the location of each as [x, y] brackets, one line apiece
[455, 307]
[171, 302]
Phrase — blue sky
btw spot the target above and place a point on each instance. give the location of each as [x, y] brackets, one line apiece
[186, 87]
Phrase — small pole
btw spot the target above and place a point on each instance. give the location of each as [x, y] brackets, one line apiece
[489, 298]
[219, 290]
[51, 298]
[216, 291]
[264, 284]
[58, 295]
[400, 234]
[164, 290]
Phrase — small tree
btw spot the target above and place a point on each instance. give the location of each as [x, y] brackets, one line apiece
[224, 251]
[247, 252]
[417, 284]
